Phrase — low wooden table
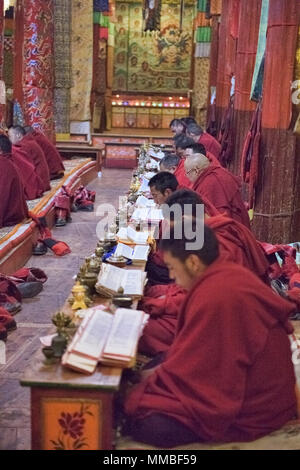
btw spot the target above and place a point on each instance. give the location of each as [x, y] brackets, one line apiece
[70, 409]
[66, 148]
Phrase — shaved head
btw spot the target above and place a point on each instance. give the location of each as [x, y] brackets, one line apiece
[194, 165]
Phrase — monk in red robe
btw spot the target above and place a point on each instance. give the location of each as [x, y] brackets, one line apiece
[24, 146]
[161, 187]
[13, 207]
[33, 185]
[211, 145]
[53, 158]
[217, 185]
[236, 244]
[217, 382]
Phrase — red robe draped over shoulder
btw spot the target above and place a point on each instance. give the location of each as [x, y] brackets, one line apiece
[13, 207]
[33, 185]
[182, 179]
[34, 155]
[53, 158]
[211, 144]
[238, 245]
[219, 377]
[223, 190]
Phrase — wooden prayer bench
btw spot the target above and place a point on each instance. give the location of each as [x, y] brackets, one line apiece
[66, 149]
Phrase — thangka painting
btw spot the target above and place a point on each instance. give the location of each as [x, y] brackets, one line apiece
[153, 61]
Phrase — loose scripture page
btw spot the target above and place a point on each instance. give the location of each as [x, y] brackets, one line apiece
[94, 336]
[140, 253]
[124, 250]
[133, 282]
[124, 334]
[140, 238]
[111, 277]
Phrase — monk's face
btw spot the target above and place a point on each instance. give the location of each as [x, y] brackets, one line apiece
[185, 273]
[188, 153]
[14, 136]
[191, 172]
[180, 152]
[169, 170]
[158, 197]
[193, 136]
[177, 129]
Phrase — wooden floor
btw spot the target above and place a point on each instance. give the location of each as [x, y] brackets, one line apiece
[34, 320]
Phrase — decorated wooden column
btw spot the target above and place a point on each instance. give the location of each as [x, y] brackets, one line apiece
[62, 64]
[2, 93]
[278, 199]
[249, 22]
[38, 68]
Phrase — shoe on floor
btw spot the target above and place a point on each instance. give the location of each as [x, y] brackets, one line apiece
[12, 308]
[60, 223]
[39, 249]
[29, 290]
[3, 333]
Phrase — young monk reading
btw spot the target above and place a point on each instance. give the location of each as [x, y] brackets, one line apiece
[218, 382]
[161, 186]
[236, 244]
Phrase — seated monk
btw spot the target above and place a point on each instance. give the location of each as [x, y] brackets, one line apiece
[25, 146]
[181, 142]
[195, 149]
[13, 207]
[236, 244]
[161, 187]
[177, 127]
[217, 382]
[217, 185]
[32, 184]
[198, 135]
[53, 158]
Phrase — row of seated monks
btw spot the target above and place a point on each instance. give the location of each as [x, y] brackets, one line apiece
[221, 365]
[28, 161]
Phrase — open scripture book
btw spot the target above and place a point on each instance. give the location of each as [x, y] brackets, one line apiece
[106, 338]
[138, 255]
[111, 279]
[146, 214]
[130, 236]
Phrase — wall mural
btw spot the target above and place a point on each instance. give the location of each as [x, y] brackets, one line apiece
[157, 61]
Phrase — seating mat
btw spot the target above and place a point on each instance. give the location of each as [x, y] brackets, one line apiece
[36, 206]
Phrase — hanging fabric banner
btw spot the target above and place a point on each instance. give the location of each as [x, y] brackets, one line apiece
[82, 60]
[258, 76]
[62, 64]
[38, 73]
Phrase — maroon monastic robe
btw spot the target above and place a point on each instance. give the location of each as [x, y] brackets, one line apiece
[223, 190]
[53, 158]
[13, 207]
[219, 377]
[33, 185]
[182, 179]
[35, 155]
[211, 144]
[238, 245]
[163, 303]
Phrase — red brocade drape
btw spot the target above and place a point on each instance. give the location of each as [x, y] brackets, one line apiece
[246, 53]
[38, 68]
[280, 62]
